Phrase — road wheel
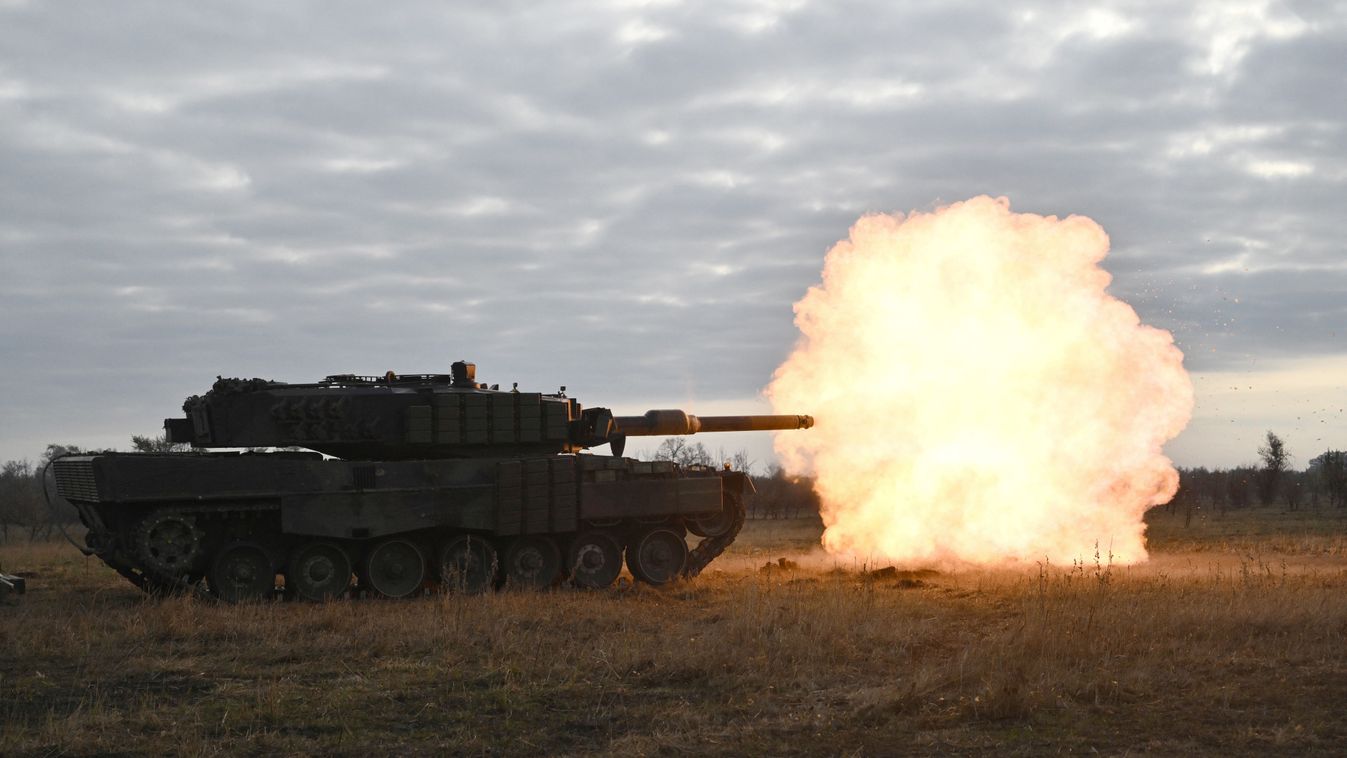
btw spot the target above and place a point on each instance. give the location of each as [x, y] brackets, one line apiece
[242, 572]
[595, 560]
[468, 564]
[395, 568]
[657, 556]
[532, 562]
[318, 571]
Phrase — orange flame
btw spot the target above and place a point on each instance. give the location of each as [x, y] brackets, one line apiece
[979, 397]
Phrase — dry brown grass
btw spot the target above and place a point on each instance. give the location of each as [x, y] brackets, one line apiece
[1217, 648]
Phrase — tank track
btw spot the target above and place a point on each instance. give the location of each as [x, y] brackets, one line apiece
[125, 552]
[710, 548]
[156, 584]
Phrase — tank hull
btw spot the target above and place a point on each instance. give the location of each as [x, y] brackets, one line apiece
[168, 521]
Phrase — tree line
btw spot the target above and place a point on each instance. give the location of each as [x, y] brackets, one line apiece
[1273, 481]
[777, 494]
[23, 505]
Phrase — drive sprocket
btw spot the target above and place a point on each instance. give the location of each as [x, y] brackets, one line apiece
[709, 548]
[168, 544]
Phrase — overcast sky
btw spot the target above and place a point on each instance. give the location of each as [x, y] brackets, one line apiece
[627, 198]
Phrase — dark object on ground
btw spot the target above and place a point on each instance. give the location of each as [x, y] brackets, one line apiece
[906, 580]
[406, 483]
[781, 564]
[892, 572]
[11, 585]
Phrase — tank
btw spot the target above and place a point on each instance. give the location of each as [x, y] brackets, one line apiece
[398, 485]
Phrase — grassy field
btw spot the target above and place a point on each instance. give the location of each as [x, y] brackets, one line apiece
[1230, 640]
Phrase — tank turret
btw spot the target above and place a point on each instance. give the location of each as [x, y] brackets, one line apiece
[417, 416]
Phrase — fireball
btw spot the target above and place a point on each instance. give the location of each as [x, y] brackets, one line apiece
[979, 396]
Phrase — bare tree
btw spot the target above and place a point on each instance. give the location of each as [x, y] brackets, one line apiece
[1192, 488]
[671, 449]
[21, 500]
[1293, 490]
[678, 450]
[160, 444]
[10, 499]
[55, 451]
[1275, 459]
[783, 496]
[741, 462]
[1331, 471]
[1239, 482]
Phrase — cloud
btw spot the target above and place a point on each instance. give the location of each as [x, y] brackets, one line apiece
[625, 199]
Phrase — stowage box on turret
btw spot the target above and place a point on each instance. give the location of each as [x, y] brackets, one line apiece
[394, 485]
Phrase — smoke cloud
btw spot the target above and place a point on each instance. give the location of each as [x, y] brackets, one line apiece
[979, 396]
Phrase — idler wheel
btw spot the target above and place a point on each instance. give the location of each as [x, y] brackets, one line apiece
[468, 564]
[532, 562]
[713, 524]
[595, 559]
[318, 571]
[657, 556]
[168, 544]
[241, 572]
[395, 568]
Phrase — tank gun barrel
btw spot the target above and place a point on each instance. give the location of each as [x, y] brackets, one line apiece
[676, 422]
[754, 423]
